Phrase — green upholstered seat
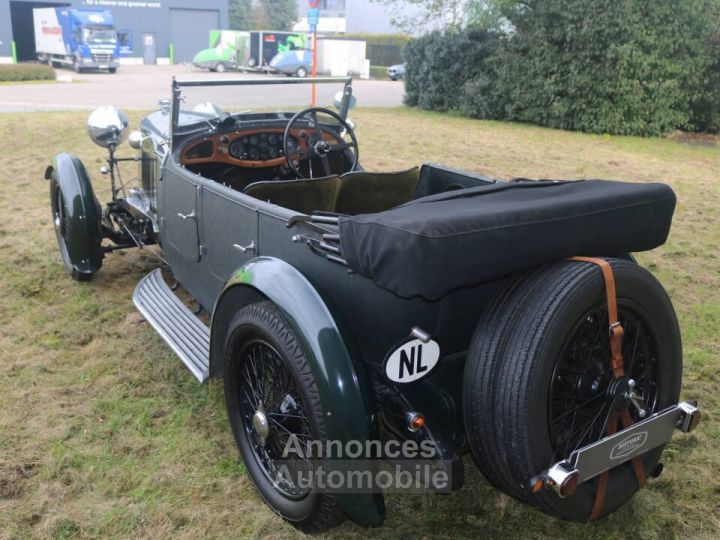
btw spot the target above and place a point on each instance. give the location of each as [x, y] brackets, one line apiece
[306, 196]
[363, 192]
[352, 193]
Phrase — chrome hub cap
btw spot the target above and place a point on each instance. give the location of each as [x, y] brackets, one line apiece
[260, 425]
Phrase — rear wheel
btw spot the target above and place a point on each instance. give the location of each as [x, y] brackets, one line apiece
[301, 72]
[220, 67]
[543, 365]
[271, 398]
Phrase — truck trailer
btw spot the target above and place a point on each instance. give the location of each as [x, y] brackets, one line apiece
[81, 38]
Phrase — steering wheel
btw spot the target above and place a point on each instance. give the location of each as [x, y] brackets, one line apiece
[317, 146]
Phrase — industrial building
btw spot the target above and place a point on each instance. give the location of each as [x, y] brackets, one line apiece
[151, 31]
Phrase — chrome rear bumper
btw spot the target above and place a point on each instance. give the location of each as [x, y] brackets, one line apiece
[609, 452]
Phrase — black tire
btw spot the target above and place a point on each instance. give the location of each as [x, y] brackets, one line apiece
[77, 66]
[301, 72]
[252, 62]
[262, 327]
[60, 217]
[544, 321]
[112, 70]
[220, 67]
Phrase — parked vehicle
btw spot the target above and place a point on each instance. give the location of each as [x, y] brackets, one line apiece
[82, 38]
[265, 44]
[229, 49]
[297, 62]
[430, 305]
[396, 72]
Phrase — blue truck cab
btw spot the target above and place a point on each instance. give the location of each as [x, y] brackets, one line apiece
[81, 38]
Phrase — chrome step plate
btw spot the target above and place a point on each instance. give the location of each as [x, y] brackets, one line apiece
[186, 335]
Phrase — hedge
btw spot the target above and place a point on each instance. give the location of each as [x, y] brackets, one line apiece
[26, 72]
[378, 72]
[438, 65]
[600, 66]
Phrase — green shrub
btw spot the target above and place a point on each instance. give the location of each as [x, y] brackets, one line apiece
[26, 72]
[378, 72]
[601, 66]
[628, 67]
[438, 65]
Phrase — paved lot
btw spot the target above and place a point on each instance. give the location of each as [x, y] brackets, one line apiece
[140, 87]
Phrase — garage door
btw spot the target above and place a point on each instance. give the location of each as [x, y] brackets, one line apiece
[189, 31]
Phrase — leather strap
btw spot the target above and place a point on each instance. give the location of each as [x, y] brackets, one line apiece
[615, 329]
[618, 370]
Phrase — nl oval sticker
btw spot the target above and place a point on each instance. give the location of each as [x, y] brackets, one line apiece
[412, 361]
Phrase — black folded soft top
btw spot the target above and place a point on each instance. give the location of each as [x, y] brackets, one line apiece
[435, 244]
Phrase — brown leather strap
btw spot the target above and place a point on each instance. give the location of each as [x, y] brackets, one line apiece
[603, 479]
[637, 463]
[615, 329]
[618, 370]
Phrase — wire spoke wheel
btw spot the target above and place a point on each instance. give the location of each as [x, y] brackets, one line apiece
[274, 417]
[582, 395]
[539, 382]
[275, 412]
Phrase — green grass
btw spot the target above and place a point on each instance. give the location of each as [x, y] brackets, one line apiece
[26, 72]
[103, 432]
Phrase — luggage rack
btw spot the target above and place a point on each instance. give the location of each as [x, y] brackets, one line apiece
[329, 245]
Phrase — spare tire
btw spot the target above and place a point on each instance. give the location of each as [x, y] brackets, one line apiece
[537, 379]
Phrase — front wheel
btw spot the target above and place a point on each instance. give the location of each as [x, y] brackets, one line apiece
[271, 398]
[538, 382]
[112, 70]
[220, 67]
[62, 222]
[301, 72]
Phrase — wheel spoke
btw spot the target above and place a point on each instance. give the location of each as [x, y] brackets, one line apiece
[268, 387]
[581, 398]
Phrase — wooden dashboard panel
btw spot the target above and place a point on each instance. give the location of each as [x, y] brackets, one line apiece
[216, 148]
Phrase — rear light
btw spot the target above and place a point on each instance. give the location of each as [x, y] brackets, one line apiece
[415, 421]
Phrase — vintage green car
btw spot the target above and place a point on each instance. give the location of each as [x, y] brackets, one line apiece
[429, 306]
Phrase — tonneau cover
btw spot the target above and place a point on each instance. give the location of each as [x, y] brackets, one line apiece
[435, 244]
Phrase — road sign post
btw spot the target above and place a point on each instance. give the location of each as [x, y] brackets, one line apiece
[313, 18]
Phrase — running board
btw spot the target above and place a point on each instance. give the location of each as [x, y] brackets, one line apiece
[186, 335]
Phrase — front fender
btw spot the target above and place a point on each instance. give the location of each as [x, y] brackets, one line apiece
[339, 375]
[84, 232]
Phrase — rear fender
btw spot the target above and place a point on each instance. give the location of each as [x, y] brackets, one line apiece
[84, 232]
[339, 375]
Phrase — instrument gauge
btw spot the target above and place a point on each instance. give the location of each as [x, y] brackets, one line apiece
[237, 149]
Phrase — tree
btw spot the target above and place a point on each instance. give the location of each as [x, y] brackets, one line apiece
[280, 14]
[413, 16]
[239, 14]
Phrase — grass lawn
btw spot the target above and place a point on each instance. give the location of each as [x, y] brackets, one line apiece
[104, 433]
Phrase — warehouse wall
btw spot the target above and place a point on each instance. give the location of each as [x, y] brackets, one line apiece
[168, 20]
[5, 31]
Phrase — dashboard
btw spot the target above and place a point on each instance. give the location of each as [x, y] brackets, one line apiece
[260, 147]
